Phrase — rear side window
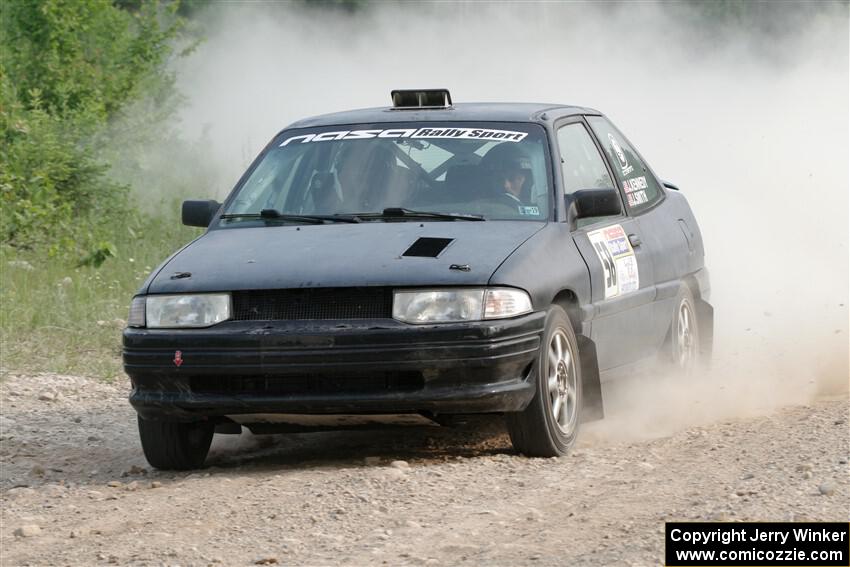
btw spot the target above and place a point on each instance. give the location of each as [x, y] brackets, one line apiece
[581, 164]
[639, 185]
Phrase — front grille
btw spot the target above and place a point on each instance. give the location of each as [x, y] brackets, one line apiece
[308, 384]
[313, 303]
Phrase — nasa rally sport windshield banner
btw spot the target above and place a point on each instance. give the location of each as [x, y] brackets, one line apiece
[432, 132]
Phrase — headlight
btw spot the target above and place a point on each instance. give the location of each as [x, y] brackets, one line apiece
[461, 304]
[171, 311]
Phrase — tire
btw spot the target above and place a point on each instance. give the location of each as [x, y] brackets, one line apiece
[535, 432]
[684, 334]
[175, 446]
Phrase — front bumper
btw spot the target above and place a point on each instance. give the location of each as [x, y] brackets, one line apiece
[331, 367]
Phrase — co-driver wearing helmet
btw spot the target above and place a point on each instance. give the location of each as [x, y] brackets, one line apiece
[510, 169]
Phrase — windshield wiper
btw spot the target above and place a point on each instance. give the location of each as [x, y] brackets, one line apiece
[399, 213]
[275, 215]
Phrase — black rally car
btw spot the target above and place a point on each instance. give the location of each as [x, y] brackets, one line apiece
[426, 260]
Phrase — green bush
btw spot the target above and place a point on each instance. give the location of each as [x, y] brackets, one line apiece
[67, 70]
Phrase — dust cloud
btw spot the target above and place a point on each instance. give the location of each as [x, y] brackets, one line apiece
[749, 119]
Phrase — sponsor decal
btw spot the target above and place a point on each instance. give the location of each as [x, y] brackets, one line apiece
[420, 133]
[529, 210]
[470, 134]
[619, 265]
[621, 155]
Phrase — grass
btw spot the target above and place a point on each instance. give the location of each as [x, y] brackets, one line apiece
[55, 317]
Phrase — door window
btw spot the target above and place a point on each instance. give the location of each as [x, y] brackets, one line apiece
[639, 185]
[581, 164]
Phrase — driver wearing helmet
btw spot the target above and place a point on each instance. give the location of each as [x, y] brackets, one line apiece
[511, 173]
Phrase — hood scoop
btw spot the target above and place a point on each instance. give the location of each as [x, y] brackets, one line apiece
[426, 247]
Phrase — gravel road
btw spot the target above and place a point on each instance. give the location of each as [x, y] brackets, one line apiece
[76, 490]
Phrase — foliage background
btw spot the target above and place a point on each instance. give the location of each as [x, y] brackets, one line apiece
[84, 89]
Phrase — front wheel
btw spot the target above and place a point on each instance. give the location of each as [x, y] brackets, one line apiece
[549, 426]
[175, 446]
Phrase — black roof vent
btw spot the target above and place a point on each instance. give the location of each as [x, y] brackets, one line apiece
[424, 98]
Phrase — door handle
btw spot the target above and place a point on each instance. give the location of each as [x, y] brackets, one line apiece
[634, 240]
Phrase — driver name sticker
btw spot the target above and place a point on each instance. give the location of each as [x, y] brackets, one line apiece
[418, 133]
[637, 198]
[619, 265]
[635, 189]
[634, 184]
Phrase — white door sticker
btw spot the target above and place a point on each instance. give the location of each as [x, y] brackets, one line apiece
[615, 253]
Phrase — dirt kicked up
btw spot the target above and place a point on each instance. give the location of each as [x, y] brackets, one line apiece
[76, 489]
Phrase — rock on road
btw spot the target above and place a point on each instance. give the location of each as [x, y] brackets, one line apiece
[76, 490]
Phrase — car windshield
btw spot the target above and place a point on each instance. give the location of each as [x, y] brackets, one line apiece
[489, 170]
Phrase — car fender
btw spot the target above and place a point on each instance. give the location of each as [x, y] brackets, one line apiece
[544, 265]
[550, 268]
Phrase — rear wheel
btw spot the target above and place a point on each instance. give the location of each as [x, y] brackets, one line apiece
[548, 427]
[684, 333]
[175, 446]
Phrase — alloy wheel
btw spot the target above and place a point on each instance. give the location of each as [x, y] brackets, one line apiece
[562, 382]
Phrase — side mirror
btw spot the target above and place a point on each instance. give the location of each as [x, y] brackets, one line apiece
[199, 213]
[593, 203]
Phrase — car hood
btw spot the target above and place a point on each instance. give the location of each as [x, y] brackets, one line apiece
[340, 255]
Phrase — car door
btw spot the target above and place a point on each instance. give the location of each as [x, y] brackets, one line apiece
[663, 235]
[621, 272]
